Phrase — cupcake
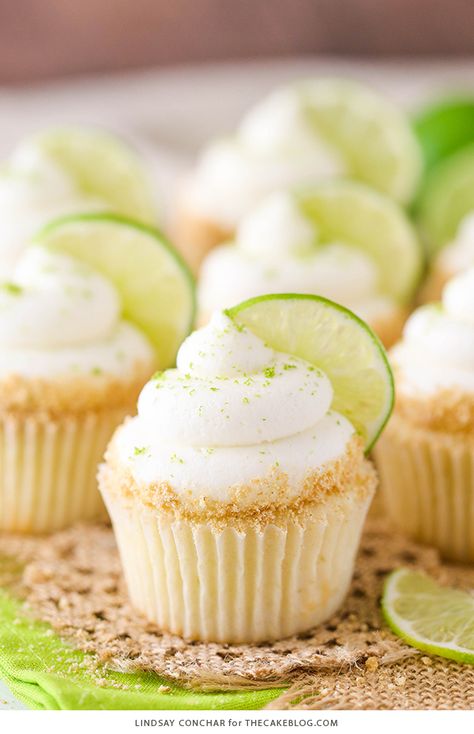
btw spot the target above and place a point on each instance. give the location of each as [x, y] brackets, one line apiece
[74, 355]
[338, 240]
[65, 171]
[455, 257]
[426, 456]
[300, 135]
[239, 491]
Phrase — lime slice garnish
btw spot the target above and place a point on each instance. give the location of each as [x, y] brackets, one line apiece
[155, 285]
[448, 195]
[375, 138]
[354, 214]
[445, 127]
[335, 340]
[430, 617]
[102, 166]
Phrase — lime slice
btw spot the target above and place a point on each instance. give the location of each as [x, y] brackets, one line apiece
[445, 127]
[354, 214]
[430, 617]
[375, 138]
[102, 166]
[448, 195]
[335, 340]
[155, 285]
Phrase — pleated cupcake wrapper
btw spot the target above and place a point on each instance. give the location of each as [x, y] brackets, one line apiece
[427, 483]
[228, 585]
[48, 469]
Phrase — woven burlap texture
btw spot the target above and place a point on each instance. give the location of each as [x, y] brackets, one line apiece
[73, 581]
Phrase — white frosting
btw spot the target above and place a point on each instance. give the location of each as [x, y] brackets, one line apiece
[276, 250]
[33, 191]
[233, 411]
[459, 254]
[275, 147]
[58, 317]
[437, 350]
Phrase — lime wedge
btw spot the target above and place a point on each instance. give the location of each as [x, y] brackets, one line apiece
[430, 617]
[447, 196]
[155, 285]
[102, 165]
[375, 138]
[444, 127]
[354, 214]
[335, 340]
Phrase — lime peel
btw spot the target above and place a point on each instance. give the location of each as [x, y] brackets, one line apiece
[156, 287]
[345, 211]
[102, 165]
[338, 342]
[435, 619]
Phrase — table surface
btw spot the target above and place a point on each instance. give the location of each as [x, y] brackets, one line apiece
[154, 109]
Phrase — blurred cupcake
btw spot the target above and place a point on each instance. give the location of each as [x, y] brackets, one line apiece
[72, 364]
[455, 257]
[65, 171]
[339, 240]
[426, 456]
[306, 133]
[238, 493]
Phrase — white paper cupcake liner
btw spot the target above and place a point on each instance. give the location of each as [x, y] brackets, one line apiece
[48, 469]
[228, 585]
[427, 483]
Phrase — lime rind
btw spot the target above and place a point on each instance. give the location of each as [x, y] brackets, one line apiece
[447, 197]
[155, 284]
[102, 165]
[444, 127]
[374, 136]
[451, 618]
[360, 373]
[349, 212]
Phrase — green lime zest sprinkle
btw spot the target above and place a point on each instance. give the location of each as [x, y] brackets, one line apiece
[177, 459]
[97, 371]
[269, 372]
[207, 451]
[139, 450]
[246, 401]
[12, 288]
[289, 366]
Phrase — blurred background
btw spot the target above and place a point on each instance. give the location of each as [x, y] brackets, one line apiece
[51, 39]
[172, 73]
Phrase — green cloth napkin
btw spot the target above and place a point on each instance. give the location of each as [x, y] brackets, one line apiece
[45, 673]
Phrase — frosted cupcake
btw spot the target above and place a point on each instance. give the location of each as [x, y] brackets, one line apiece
[339, 240]
[445, 213]
[72, 363]
[456, 257]
[67, 171]
[308, 132]
[426, 457]
[239, 492]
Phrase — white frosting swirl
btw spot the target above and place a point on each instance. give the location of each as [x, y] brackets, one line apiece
[276, 250]
[59, 317]
[275, 147]
[33, 191]
[232, 411]
[437, 350]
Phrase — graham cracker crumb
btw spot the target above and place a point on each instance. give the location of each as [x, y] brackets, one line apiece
[264, 501]
[371, 664]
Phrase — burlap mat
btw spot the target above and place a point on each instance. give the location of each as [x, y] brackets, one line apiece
[73, 581]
